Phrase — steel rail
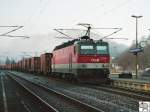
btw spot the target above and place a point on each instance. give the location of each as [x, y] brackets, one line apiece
[51, 108]
[83, 104]
[121, 91]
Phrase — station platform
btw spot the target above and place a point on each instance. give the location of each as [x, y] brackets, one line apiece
[140, 83]
[139, 79]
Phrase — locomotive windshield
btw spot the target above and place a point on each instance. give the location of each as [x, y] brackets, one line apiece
[87, 49]
[94, 49]
[102, 49]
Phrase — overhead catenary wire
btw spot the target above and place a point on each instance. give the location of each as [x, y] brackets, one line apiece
[88, 26]
[13, 30]
[63, 38]
[118, 6]
[63, 34]
[17, 28]
[35, 13]
[17, 36]
[71, 29]
[40, 10]
[119, 29]
[118, 38]
[9, 26]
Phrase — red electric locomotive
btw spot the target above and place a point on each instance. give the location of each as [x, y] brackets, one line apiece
[83, 59]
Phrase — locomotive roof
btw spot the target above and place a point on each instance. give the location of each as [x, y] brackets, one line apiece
[82, 40]
[65, 44]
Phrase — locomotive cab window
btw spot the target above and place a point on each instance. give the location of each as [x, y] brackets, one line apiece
[87, 49]
[102, 49]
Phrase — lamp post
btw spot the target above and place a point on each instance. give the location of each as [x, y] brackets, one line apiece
[148, 40]
[136, 54]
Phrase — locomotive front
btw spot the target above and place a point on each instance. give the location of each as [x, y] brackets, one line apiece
[93, 61]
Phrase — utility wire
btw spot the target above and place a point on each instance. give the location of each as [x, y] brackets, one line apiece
[16, 28]
[63, 34]
[112, 33]
[117, 38]
[118, 6]
[39, 12]
[63, 37]
[17, 36]
[33, 15]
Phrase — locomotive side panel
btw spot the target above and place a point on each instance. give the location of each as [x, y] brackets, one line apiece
[63, 59]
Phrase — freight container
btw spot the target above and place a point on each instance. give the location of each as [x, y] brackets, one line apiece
[46, 63]
[20, 65]
[28, 64]
[35, 64]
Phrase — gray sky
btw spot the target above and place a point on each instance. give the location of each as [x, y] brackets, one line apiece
[39, 17]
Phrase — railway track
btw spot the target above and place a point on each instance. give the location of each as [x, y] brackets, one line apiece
[54, 101]
[44, 105]
[101, 99]
[141, 95]
[121, 91]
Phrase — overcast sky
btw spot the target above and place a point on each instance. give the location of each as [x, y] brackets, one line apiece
[39, 17]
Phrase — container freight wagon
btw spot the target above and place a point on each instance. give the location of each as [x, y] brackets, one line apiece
[35, 64]
[8, 66]
[14, 66]
[46, 63]
[2, 67]
[20, 63]
[28, 65]
[24, 65]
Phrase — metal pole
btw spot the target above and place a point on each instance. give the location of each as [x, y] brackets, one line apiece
[136, 32]
[136, 54]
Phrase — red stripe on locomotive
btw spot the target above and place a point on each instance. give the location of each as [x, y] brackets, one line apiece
[93, 59]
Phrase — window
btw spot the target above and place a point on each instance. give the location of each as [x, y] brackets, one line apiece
[102, 49]
[87, 49]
